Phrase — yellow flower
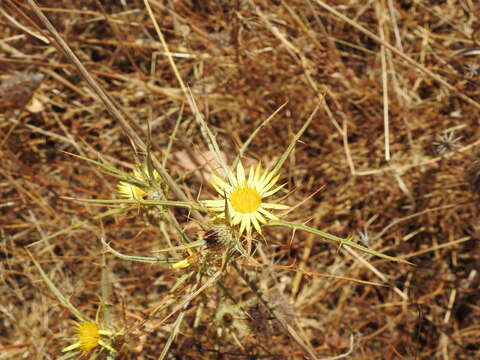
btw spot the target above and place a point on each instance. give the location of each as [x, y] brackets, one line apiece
[88, 337]
[244, 197]
[183, 264]
[133, 192]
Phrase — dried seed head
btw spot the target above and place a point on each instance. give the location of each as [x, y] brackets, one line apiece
[471, 69]
[446, 142]
[221, 235]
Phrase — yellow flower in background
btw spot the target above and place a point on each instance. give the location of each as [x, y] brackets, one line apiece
[185, 263]
[245, 197]
[133, 192]
[88, 337]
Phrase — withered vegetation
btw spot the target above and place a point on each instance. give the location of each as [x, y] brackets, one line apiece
[391, 157]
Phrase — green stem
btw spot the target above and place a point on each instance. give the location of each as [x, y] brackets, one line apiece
[341, 241]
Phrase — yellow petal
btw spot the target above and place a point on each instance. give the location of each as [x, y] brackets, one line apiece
[256, 225]
[271, 183]
[181, 264]
[267, 176]
[259, 217]
[242, 225]
[268, 214]
[231, 178]
[240, 174]
[251, 175]
[217, 181]
[236, 219]
[248, 225]
[71, 347]
[256, 178]
[271, 192]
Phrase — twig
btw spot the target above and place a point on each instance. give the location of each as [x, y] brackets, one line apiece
[399, 53]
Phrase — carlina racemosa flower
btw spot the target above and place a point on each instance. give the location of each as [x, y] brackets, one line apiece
[245, 197]
[88, 337]
[133, 192]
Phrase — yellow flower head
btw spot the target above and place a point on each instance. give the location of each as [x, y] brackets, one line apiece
[132, 192]
[244, 197]
[185, 263]
[88, 335]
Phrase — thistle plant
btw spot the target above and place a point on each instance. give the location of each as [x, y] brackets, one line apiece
[226, 225]
[226, 222]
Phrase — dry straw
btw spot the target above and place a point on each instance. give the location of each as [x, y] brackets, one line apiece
[242, 147]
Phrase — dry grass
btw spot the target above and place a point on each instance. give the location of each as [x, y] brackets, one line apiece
[412, 194]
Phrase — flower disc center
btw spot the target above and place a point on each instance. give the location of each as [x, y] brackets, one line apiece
[245, 199]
